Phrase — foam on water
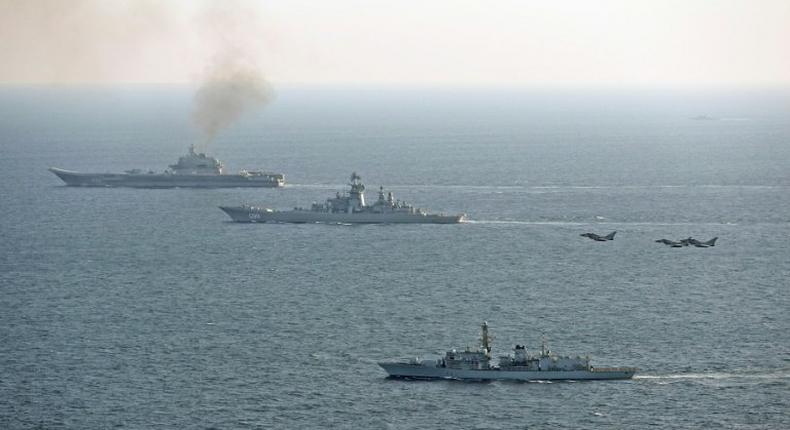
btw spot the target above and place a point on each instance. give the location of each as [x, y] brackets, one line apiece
[717, 375]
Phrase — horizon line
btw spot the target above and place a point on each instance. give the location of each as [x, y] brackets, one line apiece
[424, 86]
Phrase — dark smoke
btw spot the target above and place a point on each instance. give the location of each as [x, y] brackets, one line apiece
[231, 89]
[102, 41]
[233, 83]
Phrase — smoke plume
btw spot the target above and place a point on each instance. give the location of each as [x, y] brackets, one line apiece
[146, 41]
[230, 89]
[233, 84]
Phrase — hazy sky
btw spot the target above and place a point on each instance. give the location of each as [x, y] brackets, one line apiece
[445, 42]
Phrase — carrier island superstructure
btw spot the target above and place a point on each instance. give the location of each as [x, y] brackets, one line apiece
[478, 364]
[194, 170]
[345, 208]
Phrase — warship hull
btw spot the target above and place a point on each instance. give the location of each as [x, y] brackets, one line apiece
[420, 371]
[159, 180]
[249, 214]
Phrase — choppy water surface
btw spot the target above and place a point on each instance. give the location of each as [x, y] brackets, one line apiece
[147, 309]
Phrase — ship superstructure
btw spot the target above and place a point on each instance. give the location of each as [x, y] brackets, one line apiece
[193, 170]
[197, 164]
[349, 207]
[477, 364]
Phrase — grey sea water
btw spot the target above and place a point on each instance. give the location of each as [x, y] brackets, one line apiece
[148, 309]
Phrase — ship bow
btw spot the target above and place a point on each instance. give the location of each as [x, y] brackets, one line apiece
[236, 213]
[67, 176]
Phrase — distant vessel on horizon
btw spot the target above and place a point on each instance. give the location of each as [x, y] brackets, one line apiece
[476, 364]
[349, 208]
[194, 170]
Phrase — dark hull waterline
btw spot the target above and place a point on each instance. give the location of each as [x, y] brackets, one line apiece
[159, 180]
[246, 214]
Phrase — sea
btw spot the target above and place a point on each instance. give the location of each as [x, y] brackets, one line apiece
[148, 308]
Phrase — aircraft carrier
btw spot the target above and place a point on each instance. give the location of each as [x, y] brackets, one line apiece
[477, 364]
[194, 170]
[348, 208]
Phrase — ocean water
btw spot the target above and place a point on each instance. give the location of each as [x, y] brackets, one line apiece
[148, 309]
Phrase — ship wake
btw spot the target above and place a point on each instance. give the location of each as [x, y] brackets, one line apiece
[776, 375]
[589, 223]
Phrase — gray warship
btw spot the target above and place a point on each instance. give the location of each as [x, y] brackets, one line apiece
[345, 209]
[194, 170]
[477, 364]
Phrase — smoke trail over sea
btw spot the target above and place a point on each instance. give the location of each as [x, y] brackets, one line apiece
[230, 89]
[233, 83]
[216, 45]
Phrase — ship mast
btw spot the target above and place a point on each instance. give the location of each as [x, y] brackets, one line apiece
[485, 339]
[357, 193]
[544, 351]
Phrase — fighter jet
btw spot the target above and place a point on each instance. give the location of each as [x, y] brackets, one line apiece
[598, 238]
[671, 243]
[699, 244]
[690, 241]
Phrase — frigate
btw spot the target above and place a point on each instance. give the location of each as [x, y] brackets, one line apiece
[477, 364]
[348, 208]
[194, 170]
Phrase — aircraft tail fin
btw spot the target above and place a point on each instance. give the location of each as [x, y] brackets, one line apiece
[712, 242]
[610, 236]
